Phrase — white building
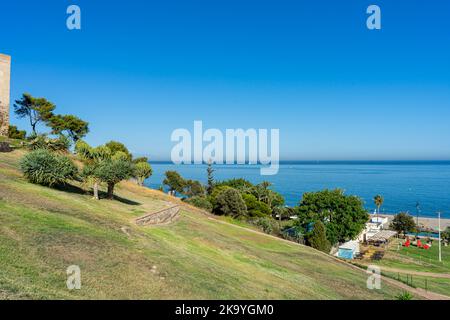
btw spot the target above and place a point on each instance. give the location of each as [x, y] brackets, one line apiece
[375, 225]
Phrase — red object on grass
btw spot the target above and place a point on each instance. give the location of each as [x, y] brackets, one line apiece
[419, 244]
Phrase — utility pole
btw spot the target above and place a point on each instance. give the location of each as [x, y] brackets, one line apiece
[418, 213]
[439, 223]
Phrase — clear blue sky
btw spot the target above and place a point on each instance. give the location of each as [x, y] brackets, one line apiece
[139, 69]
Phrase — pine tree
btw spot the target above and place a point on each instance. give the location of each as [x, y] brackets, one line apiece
[318, 238]
[210, 172]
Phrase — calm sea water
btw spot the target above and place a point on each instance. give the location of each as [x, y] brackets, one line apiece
[402, 184]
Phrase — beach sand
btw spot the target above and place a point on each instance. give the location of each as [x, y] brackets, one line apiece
[431, 223]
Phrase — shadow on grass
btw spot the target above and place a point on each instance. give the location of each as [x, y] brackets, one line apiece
[126, 201]
[102, 195]
[70, 189]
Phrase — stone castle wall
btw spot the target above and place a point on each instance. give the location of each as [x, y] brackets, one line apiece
[5, 76]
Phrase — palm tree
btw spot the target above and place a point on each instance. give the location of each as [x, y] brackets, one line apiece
[378, 200]
[265, 192]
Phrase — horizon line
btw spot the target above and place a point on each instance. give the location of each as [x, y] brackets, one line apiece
[446, 161]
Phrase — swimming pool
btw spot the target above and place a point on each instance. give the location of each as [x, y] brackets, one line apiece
[425, 235]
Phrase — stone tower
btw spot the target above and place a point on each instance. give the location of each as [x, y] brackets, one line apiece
[5, 74]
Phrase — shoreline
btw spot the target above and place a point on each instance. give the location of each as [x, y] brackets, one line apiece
[423, 221]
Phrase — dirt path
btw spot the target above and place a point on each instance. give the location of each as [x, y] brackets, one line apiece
[417, 273]
[415, 291]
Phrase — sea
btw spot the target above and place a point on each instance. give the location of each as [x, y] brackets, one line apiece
[416, 187]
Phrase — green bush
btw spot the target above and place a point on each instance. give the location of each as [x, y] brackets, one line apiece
[268, 225]
[200, 202]
[256, 208]
[142, 171]
[318, 238]
[112, 172]
[403, 223]
[229, 202]
[405, 295]
[15, 133]
[36, 142]
[43, 167]
[344, 216]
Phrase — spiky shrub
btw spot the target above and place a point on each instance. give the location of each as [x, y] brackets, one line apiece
[46, 168]
[405, 295]
[60, 144]
[112, 172]
[142, 171]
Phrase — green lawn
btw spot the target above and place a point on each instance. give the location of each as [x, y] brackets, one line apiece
[43, 231]
[438, 285]
[417, 259]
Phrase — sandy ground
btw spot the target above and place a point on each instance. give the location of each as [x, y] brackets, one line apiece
[427, 222]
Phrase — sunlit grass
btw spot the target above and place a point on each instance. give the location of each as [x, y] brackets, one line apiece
[44, 230]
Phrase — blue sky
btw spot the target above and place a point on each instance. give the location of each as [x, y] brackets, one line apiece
[140, 69]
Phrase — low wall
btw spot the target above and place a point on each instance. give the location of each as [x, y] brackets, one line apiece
[159, 217]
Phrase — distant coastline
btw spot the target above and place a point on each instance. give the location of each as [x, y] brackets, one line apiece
[428, 222]
[401, 183]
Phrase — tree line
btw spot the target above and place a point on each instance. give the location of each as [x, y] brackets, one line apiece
[51, 161]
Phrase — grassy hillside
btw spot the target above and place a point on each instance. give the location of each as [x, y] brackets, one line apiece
[43, 231]
[417, 259]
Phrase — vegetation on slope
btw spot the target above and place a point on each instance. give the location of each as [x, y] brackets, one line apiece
[44, 230]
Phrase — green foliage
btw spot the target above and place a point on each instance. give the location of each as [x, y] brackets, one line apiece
[140, 159]
[193, 188]
[255, 208]
[174, 181]
[45, 168]
[268, 225]
[318, 238]
[40, 141]
[200, 202]
[405, 295]
[284, 212]
[216, 190]
[445, 235]
[142, 171]
[104, 165]
[263, 193]
[403, 223]
[120, 155]
[238, 184]
[344, 216]
[378, 200]
[112, 172]
[276, 199]
[15, 133]
[70, 124]
[115, 147]
[88, 154]
[293, 234]
[35, 109]
[211, 182]
[229, 202]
